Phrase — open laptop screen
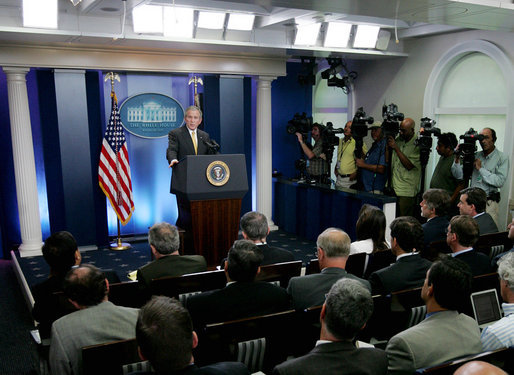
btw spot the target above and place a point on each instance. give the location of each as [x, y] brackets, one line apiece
[486, 306]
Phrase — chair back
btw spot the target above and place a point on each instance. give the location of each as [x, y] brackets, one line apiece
[356, 264]
[127, 294]
[501, 357]
[281, 272]
[493, 244]
[435, 249]
[260, 342]
[378, 260]
[173, 286]
[109, 358]
[312, 267]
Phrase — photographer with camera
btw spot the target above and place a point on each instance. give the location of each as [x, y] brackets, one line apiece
[318, 166]
[490, 170]
[443, 178]
[405, 168]
[346, 168]
[373, 166]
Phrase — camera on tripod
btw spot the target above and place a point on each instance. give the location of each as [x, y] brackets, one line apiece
[359, 127]
[466, 151]
[299, 124]
[391, 120]
[424, 142]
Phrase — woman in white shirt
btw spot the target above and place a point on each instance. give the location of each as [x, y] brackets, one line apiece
[370, 229]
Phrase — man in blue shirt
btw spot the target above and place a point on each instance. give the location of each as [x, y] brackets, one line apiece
[373, 167]
[490, 171]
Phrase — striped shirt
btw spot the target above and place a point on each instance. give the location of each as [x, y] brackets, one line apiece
[500, 334]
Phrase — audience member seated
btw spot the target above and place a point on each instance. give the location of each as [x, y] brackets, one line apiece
[462, 235]
[61, 253]
[410, 268]
[434, 207]
[479, 368]
[243, 297]
[445, 334]
[165, 337]
[501, 334]
[333, 250]
[164, 243]
[345, 312]
[510, 235]
[370, 230]
[473, 202]
[254, 227]
[97, 320]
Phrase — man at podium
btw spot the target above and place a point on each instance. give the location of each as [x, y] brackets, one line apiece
[183, 141]
[188, 139]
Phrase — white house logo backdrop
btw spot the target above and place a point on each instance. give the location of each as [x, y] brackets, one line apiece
[151, 115]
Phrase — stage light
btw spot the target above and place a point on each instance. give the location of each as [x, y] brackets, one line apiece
[239, 21]
[211, 20]
[306, 35]
[337, 34]
[366, 36]
[147, 19]
[178, 22]
[40, 13]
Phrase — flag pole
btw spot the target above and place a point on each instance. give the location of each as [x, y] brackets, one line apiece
[118, 245]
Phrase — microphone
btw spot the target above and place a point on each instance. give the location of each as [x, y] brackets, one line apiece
[211, 145]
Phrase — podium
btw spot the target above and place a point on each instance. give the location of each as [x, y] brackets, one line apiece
[209, 189]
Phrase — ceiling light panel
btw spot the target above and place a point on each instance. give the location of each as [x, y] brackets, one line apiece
[147, 19]
[306, 35]
[178, 22]
[366, 36]
[211, 20]
[40, 13]
[337, 34]
[238, 21]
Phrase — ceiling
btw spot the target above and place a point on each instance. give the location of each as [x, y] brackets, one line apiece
[100, 23]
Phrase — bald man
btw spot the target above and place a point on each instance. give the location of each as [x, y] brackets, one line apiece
[479, 368]
[333, 250]
[405, 168]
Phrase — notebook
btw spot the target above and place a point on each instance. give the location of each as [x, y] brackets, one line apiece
[486, 307]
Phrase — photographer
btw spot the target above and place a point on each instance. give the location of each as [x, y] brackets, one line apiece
[490, 170]
[318, 165]
[443, 177]
[373, 167]
[346, 169]
[405, 168]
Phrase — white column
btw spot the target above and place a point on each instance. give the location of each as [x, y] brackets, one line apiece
[264, 148]
[24, 165]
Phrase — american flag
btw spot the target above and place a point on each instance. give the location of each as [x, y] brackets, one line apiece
[114, 169]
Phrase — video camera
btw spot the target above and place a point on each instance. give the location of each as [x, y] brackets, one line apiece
[299, 124]
[466, 151]
[424, 142]
[330, 140]
[391, 118]
[359, 127]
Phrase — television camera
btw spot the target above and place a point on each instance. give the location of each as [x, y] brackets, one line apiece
[466, 151]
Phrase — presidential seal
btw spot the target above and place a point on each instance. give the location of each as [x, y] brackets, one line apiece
[218, 173]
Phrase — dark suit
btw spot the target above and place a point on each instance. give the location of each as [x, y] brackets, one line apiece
[486, 224]
[408, 272]
[220, 368]
[310, 290]
[477, 261]
[336, 358]
[435, 230]
[236, 301]
[170, 265]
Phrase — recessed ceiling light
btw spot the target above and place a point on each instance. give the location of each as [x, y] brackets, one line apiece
[337, 34]
[147, 19]
[40, 13]
[211, 20]
[238, 21]
[306, 35]
[178, 22]
[366, 36]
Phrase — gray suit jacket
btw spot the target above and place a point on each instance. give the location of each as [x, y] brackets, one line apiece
[338, 358]
[486, 224]
[441, 337]
[310, 290]
[98, 324]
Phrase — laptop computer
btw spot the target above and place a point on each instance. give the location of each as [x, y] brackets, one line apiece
[486, 307]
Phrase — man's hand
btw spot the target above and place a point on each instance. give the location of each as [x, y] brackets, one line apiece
[173, 162]
[323, 156]
[359, 163]
[392, 143]
[353, 176]
[300, 137]
[478, 164]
